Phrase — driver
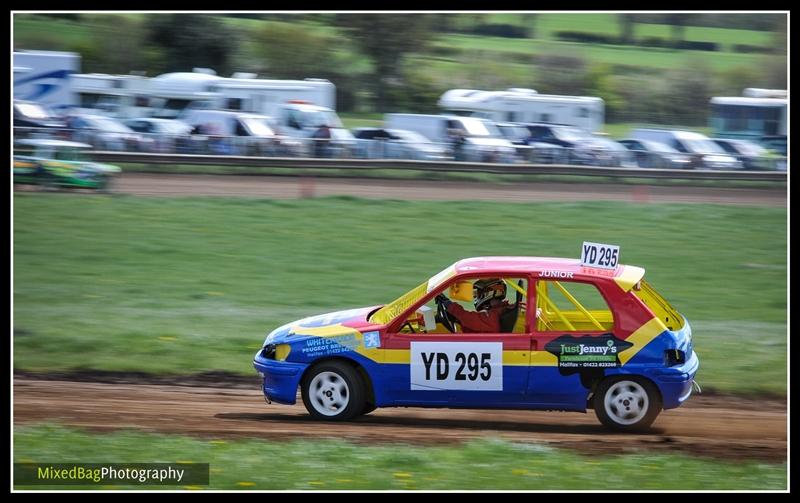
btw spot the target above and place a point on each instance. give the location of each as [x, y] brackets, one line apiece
[489, 298]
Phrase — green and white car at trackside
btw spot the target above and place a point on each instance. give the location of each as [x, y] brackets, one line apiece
[59, 163]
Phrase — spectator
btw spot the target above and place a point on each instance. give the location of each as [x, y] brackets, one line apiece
[322, 139]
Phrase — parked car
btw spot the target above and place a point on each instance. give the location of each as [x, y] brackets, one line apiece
[106, 133]
[651, 154]
[703, 152]
[582, 147]
[528, 150]
[572, 337]
[58, 163]
[777, 144]
[618, 154]
[29, 114]
[469, 139]
[168, 135]
[379, 143]
[751, 155]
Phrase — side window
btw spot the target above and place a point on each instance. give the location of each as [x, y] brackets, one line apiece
[677, 145]
[240, 130]
[727, 147]
[570, 306]
[503, 305]
[293, 120]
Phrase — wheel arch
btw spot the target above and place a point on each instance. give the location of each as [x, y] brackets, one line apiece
[362, 372]
[619, 376]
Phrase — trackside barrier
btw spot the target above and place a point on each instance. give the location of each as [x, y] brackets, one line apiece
[434, 166]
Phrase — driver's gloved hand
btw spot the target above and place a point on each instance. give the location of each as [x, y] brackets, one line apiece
[443, 300]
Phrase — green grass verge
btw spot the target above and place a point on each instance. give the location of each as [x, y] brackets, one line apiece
[181, 285]
[337, 465]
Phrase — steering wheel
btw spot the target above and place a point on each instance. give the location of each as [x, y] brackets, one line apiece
[445, 318]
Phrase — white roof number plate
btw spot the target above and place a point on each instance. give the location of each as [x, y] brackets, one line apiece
[599, 255]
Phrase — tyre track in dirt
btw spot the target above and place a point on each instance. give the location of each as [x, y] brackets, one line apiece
[286, 187]
[712, 426]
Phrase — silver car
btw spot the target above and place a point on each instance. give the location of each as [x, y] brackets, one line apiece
[378, 143]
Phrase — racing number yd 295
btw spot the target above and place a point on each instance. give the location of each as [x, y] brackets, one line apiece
[476, 367]
[471, 362]
[466, 366]
[608, 257]
[599, 255]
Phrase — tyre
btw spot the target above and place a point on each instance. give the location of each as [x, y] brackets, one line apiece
[368, 407]
[333, 391]
[627, 403]
[105, 185]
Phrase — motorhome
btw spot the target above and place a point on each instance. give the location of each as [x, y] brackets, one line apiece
[526, 106]
[45, 77]
[120, 96]
[202, 89]
[758, 114]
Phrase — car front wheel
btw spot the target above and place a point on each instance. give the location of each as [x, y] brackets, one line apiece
[627, 403]
[333, 391]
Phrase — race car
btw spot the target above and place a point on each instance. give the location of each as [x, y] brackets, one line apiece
[574, 335]
[58, 163]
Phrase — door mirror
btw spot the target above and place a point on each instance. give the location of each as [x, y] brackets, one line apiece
[429, 318]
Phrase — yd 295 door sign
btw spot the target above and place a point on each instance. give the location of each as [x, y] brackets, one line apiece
[599, 255]
[457, 365]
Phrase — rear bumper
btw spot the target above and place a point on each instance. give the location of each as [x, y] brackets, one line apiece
[281, 379]
[675, 383]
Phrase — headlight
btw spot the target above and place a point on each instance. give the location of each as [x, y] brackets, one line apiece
[268, 352]
[276, 351]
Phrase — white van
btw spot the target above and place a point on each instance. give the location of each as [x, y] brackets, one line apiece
[232, 133]
[482, 141]
[704, 152]
[303, 120]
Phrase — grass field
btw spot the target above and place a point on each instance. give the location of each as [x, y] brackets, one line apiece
[63, 34]
[641, 57]
[193, 284]
[335, 465]
[608, 24]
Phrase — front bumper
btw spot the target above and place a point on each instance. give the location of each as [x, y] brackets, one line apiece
[281, 379]
[675, 383]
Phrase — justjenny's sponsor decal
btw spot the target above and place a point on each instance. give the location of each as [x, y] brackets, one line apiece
[587, 351]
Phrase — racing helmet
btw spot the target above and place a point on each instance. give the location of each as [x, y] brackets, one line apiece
[484, 290]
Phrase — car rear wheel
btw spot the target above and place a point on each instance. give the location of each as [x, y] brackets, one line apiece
[333, 391]
[627, 403]
[104, 185]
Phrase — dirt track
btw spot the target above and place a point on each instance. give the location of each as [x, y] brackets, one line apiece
[293, 187]
[713, 426]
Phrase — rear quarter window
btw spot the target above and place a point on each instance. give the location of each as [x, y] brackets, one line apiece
[659, 306]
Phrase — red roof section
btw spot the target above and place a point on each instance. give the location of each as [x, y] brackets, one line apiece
[625, 276]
